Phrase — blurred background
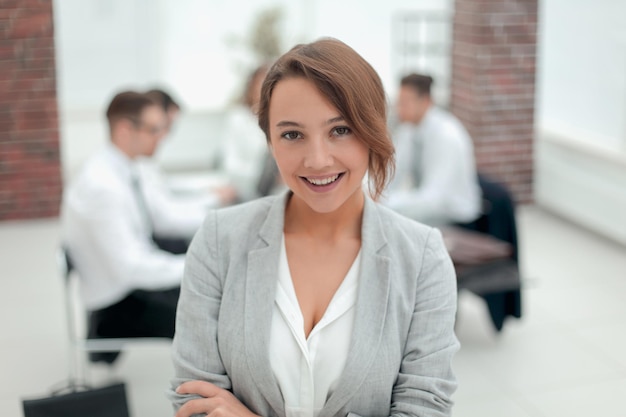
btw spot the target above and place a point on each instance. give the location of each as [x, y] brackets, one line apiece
[540, 86]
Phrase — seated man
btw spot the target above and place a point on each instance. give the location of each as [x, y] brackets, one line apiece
[175, 218]
[128, 284]
[435, 181]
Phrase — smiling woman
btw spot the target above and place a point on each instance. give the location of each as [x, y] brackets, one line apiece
[347, 83]
[319, 302]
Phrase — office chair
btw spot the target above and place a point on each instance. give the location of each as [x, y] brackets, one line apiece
[498, 282]
[81, 346]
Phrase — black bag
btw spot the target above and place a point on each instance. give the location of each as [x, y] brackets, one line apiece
[109, 401]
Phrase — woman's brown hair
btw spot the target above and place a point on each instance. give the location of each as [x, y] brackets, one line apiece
[352, 86]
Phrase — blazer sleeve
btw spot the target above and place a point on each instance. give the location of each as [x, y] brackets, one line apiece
[425, 381]
[195, 352]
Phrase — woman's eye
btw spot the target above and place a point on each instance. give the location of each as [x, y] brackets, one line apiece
[292, 135]
[341, 130]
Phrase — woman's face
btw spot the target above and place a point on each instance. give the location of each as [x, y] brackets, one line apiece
[319, 156]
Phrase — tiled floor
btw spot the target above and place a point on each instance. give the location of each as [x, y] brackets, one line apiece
[564, 358]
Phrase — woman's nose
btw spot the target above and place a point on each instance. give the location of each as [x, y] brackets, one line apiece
[318, 154]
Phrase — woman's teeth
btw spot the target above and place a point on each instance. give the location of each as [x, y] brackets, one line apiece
[323, 181]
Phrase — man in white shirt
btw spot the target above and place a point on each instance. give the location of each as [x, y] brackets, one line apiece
[436, 181]
[128, 284]
[175, 217]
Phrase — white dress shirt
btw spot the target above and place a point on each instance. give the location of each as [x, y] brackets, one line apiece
[243, 151]
[172, 215]
[108, 235]
[307, 369]
[436, 181]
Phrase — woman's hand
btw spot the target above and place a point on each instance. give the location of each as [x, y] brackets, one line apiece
[216, 401]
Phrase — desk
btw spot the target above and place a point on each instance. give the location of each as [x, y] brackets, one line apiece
[195, 183]
[485, 266]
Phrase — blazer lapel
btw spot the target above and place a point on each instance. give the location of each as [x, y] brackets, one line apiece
[261, 281]
[371, 306]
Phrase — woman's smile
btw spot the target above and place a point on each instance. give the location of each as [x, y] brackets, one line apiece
[323, 184]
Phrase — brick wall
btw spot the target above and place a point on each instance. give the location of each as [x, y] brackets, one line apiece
[493, 86]
[30, 174]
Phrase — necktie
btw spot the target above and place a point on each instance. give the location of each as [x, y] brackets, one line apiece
[141, 201]
[173, 245]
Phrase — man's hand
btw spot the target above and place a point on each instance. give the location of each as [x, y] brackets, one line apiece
[226, 194]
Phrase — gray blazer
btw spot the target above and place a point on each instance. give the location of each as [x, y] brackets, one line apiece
[399, 362]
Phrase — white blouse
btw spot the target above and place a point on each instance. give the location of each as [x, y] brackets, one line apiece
[307, 370]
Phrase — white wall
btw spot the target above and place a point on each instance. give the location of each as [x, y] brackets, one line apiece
[582, 71]
[102, 46]
[582, 183]
[581, 113]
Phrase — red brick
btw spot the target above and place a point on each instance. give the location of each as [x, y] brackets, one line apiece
[30, 173]
[7, 52]
[30, 26]
[34, 74]
[42, 52]
[7, 124]
[46, 41]
[492, 88]
[521, 38]
[6, 13]
[27, 63]
[8, 68]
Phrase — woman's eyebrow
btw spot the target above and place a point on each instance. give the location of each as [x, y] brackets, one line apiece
[335, 120]
[289, 123]
[284, 123]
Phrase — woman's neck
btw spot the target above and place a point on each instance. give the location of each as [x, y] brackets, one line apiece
[345, 222]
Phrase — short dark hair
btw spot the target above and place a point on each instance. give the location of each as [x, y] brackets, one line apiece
[128, 105]
[164, 99]
[351, 85]
[421, 83]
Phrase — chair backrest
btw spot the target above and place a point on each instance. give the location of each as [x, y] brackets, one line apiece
[77, 364]
[65, 263]
[65, 268]
[499, 218]
[74, 310]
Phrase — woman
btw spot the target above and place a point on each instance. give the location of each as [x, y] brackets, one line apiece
[319, 302]
[244, 157]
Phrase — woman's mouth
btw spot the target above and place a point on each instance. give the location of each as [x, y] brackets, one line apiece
[322, 183]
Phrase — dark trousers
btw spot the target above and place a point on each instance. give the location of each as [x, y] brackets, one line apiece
[141, 314]
[499, 222]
